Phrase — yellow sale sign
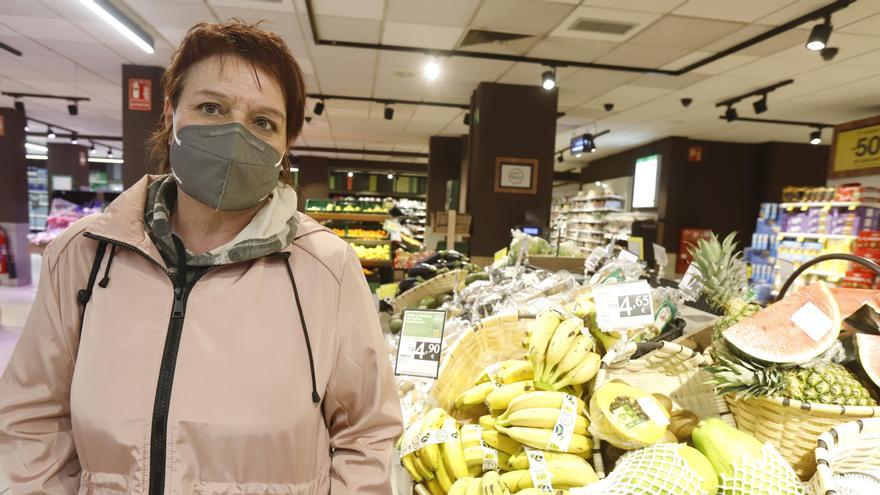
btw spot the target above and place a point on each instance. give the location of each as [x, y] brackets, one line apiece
[857, 149]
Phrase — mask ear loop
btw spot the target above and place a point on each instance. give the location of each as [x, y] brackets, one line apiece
[176, 140]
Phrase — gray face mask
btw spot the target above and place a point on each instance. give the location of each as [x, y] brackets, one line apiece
[224, 166]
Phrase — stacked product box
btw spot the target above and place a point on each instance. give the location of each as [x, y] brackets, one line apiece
[761, 256]
[867, 245]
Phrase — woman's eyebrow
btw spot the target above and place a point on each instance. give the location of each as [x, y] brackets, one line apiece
[269, 110]
[211, 93]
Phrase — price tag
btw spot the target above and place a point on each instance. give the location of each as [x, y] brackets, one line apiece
[591, 264]
[812, 321]
[421, 340]
[500, 255]
[692, 283]
[636, 245]
[624, 305]
[627, 256]
[659, 254]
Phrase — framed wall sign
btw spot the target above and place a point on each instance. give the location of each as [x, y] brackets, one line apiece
[516, 175]
[856, 149]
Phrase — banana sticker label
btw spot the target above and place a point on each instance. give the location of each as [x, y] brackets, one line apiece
[490, 455]
[538, 470]
[563, 431]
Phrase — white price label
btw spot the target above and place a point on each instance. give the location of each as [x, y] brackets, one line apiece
[624, 305]
[421, 343]
[538, 470]
[591, 264]
[692, 283]
[563, 431]
[492, 373]
[625, 255]
[812, 321]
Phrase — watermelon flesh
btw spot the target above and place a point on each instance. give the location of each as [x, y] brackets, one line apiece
[869, 355]
[794, 330]
[850, 300]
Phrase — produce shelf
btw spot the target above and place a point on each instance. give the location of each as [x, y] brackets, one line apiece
[816, 236]
[355, 217]
[373, 194]
[368, 242]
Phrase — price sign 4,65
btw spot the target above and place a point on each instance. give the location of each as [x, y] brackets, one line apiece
[426, 351]
[623, 305]
[634, 305]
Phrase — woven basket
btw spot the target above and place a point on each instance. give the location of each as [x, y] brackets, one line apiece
[491, 340]
[852, 447]
[792, 426]
[440, 284]
[668, 368]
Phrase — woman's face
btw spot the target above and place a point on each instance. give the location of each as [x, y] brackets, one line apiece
[230, 89]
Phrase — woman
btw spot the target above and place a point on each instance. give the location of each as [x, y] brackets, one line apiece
[201, 336]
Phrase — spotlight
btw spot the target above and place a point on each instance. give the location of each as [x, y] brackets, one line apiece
[27, 128]
[73, 108]
[548, 79]
[592, 148]
[730, 114]
[92, 150]
[319, 108]
[816, 137]
[390, 176]
[431, 70]
[609, 107]
[51, 134]
[389, 112]
[109, 152]
[467, 118]
[294, 169]
[686, 102]
[19, 106]
[828, 53]
[73, 138]
[560, 158]
[760, 106]
[578, 155]
[819, 35]
[350, 174]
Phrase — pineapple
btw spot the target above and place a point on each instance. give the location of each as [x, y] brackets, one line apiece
[830, 383]
[725, 284]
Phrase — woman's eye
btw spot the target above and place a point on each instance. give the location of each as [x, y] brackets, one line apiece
[211, 108]
[265, 124]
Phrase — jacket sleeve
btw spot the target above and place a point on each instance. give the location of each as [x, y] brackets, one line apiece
[36, 441]
[361, 406]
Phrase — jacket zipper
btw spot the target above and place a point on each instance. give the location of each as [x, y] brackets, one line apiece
[162, 402]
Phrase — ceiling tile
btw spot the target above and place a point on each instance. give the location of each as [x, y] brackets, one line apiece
[421, 35]
[638, 21]
[283, 23]
[652, 6]
[741, 10]
[454, 13]
[520, 16]
[272, 6]
[360, 9]
[774, 69]
[683, 32]
[163, 14]
[871, 59]
[850, 46]
[836, 75]
[669, 82]
[627, 96]
[773, 45]
[349, 29]
[46, 28]
[472, 70]
[580, 50]
[870, 26]
[641, 56]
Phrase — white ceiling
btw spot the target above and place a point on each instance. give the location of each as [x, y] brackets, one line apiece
[67, 50]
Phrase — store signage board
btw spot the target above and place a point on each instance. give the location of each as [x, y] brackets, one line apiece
[645, 182]
[516, 175]
[624, 305]
[421, 340]
[636, 245]
[140, 96]
[692, 283]
[855, 150]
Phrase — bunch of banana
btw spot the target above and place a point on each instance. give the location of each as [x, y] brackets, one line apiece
[531, 418]
[498, 400]
[566, 471]
[520, 460]
[540, 417]
[513, 370]
[540, 332]
[474, 396]
[492, 485]
[412, 463]
[436, 465]
[467, 486]
[562, 356]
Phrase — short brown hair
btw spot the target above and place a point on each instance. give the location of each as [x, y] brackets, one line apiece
[261, 48]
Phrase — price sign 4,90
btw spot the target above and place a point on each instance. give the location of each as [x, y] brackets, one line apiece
[426, 351]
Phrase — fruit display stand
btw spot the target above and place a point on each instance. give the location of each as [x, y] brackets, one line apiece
[441, 284]
[848, 459]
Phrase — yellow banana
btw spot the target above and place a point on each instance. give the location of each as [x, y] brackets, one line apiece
[577, 389]
[430, 454]
[583, 307]
[474, 396]
[407, 460]
[538, 491]
[453, 455]
[476, 471]
[492, 484]
[475, 486]
[539, 438]
[563, 474]
[581, 374]
[487, 422]
[434, 487]
[513, 480]
[460, 486]
[500, 442]
[473, 456]
[471, 436]
[583, 344]
[542, 418]
[420, 489]
[444, 478]
[540, 398]
[563, 337]
[516, 371]
[542, 330]
[500, 398]
[521, 459]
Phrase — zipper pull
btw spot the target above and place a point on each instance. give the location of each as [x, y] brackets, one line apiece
[177, 311]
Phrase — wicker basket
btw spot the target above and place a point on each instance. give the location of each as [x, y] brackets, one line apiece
[792, 426]
[668, 368]
[440, 284]
[491, 340]
[847, 448]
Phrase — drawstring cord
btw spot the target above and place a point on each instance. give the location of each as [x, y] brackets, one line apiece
[315, 397]
[106, 280]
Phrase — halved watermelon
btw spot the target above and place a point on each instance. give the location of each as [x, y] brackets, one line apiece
[869, 355]
[794, 330]
[850, 300]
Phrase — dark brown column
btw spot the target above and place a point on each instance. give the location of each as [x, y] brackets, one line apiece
[444, 164]
[14, 219]
[142, 104]
[514, 122]
[314, 179]
[70, 160]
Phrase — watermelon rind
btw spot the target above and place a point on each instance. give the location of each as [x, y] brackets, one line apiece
[868, 347]
[785, 342]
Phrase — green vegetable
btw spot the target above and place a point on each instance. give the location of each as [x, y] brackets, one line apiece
[395, 325]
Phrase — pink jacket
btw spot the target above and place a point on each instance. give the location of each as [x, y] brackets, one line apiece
[206, 389]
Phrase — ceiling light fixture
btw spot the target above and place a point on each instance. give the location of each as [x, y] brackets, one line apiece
[389, 112]
[27, 128]
[390, 176]
[93, 150]
[36, 147]
[74, 139]
[51, 134]
[609, 107]
[111, 15]
[467, 118]
[19, 106]
[760, 106]
[319, 107]
[73, 108]
[37, 157]
[828, 53]
[548, 79]
[730, 114]
[819, 35]
[686, 102]
[350, 174]
[560, 158]
[431, 70]
[816, 137]
[579, 155]
[294, 169]
[109, 152]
